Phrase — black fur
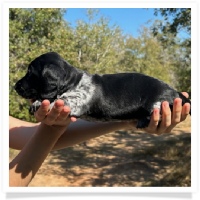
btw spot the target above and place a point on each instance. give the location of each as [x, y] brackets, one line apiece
[123, 96]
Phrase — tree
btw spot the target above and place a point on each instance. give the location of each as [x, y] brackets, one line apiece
[180, 19]
[145, 54]
[31, 33]
[98, 45]
[176, 21]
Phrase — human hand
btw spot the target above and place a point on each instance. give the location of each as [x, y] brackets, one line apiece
[57, 116]
[169, 119]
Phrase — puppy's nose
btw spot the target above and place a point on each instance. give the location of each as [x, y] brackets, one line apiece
[17, 85]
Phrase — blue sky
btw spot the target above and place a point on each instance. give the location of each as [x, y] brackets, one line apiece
[129, 19]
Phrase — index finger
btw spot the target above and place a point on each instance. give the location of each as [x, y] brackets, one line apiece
[41, 113]
[55, 112]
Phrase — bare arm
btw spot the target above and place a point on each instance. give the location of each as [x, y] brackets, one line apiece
[25, 165]
[20, 132]
[77, 132]
[81, 131]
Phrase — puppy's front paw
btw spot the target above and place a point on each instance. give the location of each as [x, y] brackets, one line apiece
[34, 107]
[64, 98]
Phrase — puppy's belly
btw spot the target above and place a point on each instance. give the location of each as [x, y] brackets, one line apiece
[116, 115]
[142, 116]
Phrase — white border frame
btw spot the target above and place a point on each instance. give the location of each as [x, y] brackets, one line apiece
[93, 4]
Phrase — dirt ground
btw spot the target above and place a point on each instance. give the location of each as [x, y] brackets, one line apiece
[122, 158]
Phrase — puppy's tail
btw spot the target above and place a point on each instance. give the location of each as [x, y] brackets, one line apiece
[184, 100]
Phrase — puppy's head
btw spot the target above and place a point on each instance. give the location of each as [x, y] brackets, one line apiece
[44, 77]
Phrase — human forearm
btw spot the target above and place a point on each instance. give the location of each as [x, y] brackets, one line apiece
[77, 132]
[20, 132]
[81, 131]
[25, 165]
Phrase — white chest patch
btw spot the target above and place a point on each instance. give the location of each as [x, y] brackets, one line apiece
[79, 98]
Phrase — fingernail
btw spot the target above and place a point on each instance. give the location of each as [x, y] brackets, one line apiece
[66, 109]
[156, 111]
[178, 101]
[166, 104]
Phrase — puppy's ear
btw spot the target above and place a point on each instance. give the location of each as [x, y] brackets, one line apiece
[51, 72]
[51, 75]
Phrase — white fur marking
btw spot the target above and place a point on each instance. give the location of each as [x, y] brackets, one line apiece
[157, 105]
[79, 98]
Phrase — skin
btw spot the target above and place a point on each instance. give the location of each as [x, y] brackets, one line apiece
[169, 119]
[55, 131]
[25, 165]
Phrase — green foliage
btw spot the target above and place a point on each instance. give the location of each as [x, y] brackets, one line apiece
[92, 45]
[181, 19]
[98, 45]
[146, 55]
[176, 21]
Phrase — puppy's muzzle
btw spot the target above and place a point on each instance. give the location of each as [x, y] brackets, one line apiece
[19, 88]
[24, 91]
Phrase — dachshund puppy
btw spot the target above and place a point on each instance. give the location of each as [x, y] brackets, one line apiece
[109, 97]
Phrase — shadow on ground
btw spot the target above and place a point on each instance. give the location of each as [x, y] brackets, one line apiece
[123, 159]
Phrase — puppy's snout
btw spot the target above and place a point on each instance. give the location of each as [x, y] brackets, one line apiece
[19, 88]
[17, 85]
[23, 89]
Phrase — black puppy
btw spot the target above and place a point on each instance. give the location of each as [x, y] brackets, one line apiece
[116, 97]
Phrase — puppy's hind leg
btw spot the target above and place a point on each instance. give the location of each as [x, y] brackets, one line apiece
[143, 123]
